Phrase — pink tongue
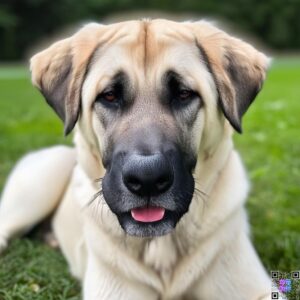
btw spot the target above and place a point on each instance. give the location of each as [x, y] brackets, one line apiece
[148, 214]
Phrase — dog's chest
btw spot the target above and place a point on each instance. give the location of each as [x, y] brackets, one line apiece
[161, 254]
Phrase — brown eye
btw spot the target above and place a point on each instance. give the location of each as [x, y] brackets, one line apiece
[185, 95]
[110, 96]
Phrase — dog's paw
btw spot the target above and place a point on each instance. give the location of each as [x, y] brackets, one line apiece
[3, 244]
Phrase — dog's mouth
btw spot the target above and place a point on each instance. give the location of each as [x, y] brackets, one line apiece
[148, 214]
[148, 221]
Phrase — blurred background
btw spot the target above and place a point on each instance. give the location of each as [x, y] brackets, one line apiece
[270, 145]
[24, 22]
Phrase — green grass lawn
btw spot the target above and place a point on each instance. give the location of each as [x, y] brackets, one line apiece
[270, 147]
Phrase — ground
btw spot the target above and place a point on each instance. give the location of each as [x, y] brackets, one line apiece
[270, 147]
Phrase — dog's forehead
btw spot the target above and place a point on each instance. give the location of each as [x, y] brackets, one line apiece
[135, 33]
[145, 49]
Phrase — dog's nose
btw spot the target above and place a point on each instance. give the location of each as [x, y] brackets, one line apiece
[147, 175]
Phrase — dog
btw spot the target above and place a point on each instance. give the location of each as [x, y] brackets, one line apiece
[149, 204]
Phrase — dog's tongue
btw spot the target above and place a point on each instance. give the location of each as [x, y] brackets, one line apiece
[148, 214]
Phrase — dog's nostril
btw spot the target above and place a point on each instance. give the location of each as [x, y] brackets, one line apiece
[134, 183]
[147, 175]
[162, 183]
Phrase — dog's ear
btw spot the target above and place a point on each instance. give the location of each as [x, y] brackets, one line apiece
[239, 70]
[59, 71]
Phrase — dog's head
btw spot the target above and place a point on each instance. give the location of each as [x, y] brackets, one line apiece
[150, 96]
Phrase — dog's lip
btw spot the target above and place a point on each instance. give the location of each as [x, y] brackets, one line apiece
[148, 214]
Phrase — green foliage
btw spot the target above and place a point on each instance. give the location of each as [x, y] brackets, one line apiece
[24, 22]
[23, 112]
[270, 148]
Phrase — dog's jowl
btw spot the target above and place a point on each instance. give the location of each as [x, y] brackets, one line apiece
[150, 202]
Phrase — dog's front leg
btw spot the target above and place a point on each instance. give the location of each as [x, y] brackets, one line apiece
[106, 283]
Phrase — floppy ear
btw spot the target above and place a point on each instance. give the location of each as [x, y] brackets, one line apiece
[59, 71]
[239, 70]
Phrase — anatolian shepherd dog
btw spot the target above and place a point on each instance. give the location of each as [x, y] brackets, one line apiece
[150, 203]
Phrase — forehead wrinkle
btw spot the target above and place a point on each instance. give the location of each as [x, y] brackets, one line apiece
[123, 33]
[164, 48]
[132, 52]
[145, 29]
[151, 51]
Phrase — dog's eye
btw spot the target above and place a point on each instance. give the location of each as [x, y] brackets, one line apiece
[109, 96]
[185, 95]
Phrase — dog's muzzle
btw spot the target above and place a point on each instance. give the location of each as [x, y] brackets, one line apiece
[148, 186]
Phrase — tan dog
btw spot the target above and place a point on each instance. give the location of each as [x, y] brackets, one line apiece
[154, 103]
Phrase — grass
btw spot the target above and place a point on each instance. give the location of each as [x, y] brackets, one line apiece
[270, 147]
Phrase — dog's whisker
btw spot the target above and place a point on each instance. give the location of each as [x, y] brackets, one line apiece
[201, 196]
[199, 184]
[201, 200]
[94, 197]
[98, 207]
[100, 179]
[100, 201]
[201, 192]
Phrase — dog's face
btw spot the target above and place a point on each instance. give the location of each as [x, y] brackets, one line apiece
[150, 96]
